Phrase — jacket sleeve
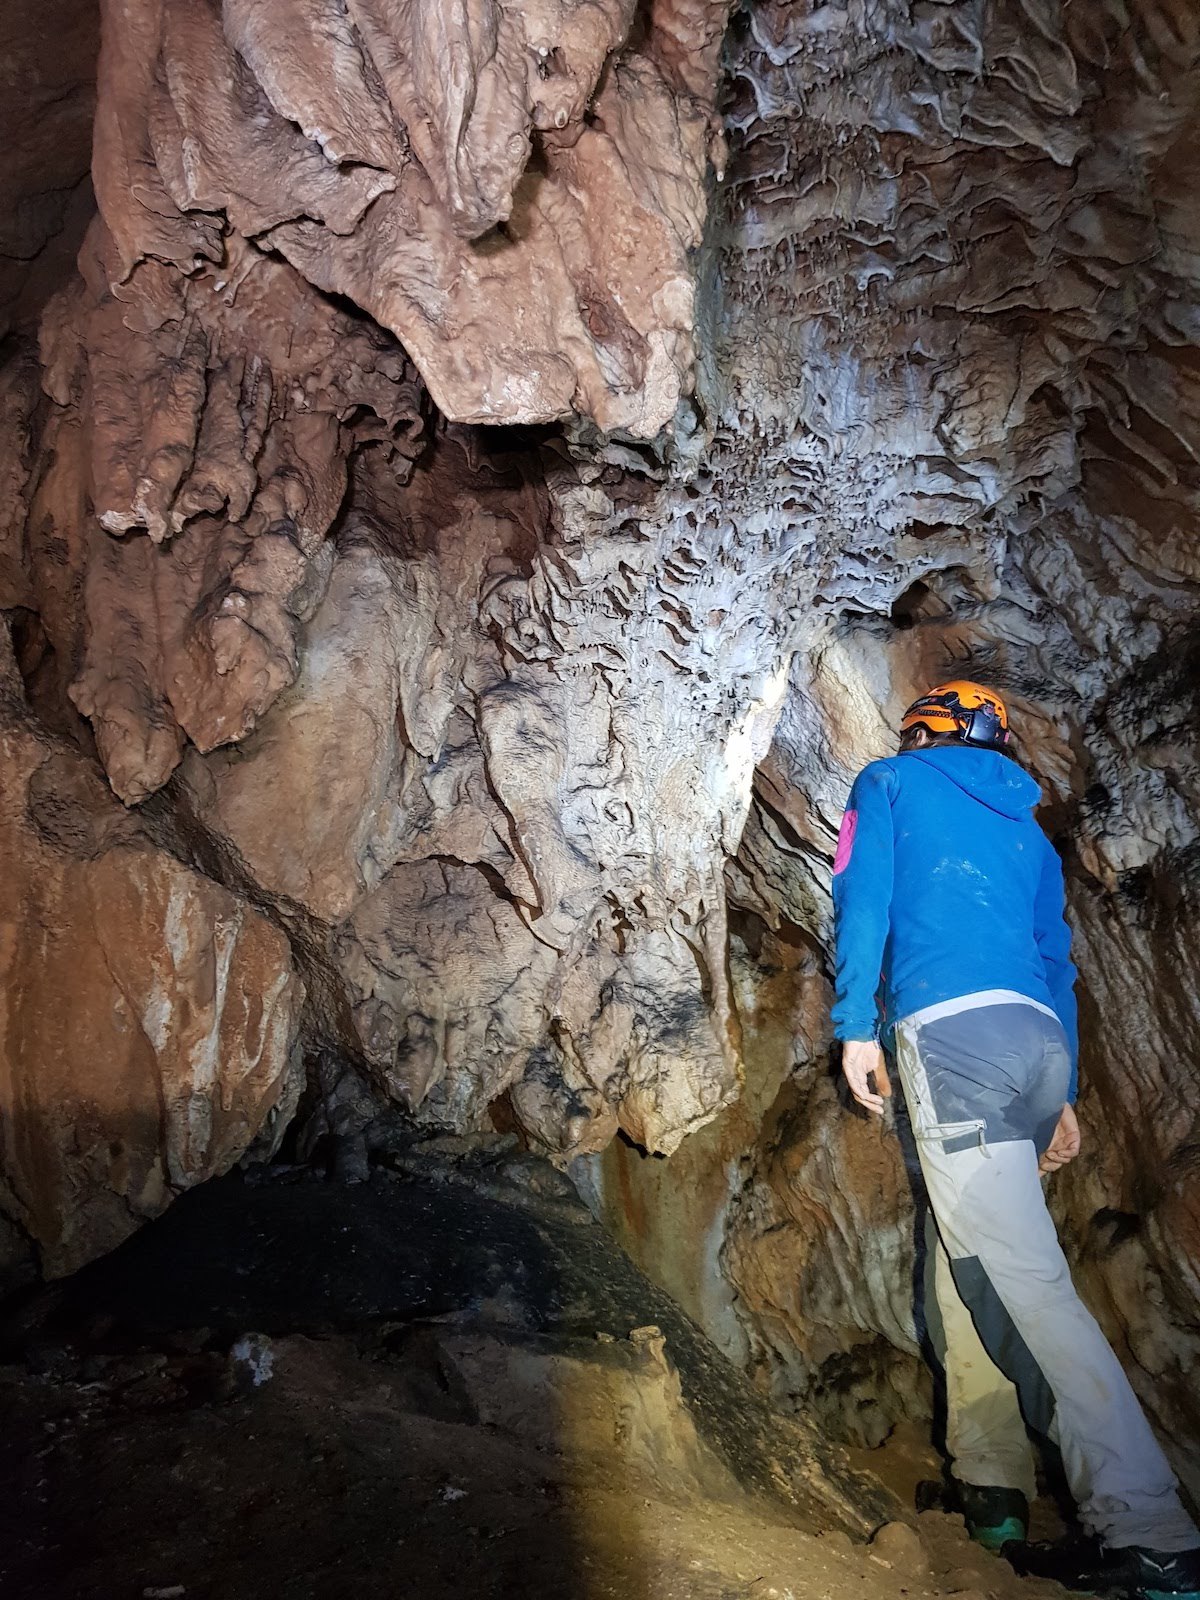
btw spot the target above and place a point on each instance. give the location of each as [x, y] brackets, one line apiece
[862, 899]
[1053, 935]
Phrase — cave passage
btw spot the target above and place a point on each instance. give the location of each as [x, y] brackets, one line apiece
[480, 480]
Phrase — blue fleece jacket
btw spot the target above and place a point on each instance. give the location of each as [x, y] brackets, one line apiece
[944, 885]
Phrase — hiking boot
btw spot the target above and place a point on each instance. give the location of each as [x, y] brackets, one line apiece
[935, 1494]
[1086, 1564]
[994, 1517]
[1076, 1563]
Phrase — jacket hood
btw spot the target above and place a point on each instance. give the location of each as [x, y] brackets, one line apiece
[986, 775]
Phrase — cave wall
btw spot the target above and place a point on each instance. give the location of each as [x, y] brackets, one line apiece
[471, 716]
[495, 476]
[958, 319]
[149, 1017]
[48, 72]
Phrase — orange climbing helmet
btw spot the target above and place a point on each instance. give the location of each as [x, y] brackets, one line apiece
[962, 709]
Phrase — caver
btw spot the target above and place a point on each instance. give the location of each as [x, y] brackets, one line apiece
[953, 953]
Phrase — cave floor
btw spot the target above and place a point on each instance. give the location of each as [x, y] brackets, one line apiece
[305, 1390]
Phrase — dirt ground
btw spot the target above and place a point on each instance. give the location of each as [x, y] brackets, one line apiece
[225, 1411]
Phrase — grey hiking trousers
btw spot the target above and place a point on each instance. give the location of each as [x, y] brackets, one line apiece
[985, 1078]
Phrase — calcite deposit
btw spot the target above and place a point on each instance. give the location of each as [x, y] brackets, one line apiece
[960, 313]
[500, 470]
[253, 560]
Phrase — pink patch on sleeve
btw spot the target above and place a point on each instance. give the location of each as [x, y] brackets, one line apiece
[845, 842]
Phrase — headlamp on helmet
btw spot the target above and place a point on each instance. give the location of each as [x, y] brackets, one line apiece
[960, 710]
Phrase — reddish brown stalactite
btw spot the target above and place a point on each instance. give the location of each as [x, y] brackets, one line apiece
[379, 148]
[215, 414]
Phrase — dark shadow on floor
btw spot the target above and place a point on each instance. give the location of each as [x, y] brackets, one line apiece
[406, 1376]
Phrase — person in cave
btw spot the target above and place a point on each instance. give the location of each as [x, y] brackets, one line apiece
[946, 888]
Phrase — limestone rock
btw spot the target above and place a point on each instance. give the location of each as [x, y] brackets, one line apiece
[388, 153]
[207, 411]
[785, 1227]
[953, 394]
[436, 790]
[900, 1546]
[148, 1016]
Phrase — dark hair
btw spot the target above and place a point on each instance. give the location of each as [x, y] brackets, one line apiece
[1004, 748]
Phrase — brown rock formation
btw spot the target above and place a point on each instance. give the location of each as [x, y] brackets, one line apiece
[498, 923]
[208, 412]
[148, 1015]
[385, 151]
[207, 395]
[785, 1227]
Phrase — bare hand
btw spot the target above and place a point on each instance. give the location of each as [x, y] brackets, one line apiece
[1065, 1144]
[859, 1058]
